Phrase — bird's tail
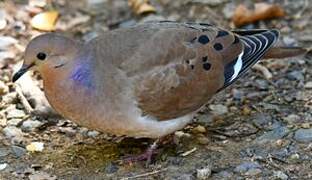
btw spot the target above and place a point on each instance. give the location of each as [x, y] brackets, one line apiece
[284, 52]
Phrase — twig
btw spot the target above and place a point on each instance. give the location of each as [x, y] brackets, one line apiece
[266, 73]
[144, 175]
[189, 152]
[23, 100]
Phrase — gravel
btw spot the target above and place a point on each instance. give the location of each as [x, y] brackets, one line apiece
[303, 135]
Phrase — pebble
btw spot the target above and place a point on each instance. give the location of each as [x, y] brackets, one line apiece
[275, 134]
[12, 131]
[247, 166]
[14, 122]
[224, 175]
[218, 109]
[199, 129]
[35, 147]
[69, 131]
[205, 119]
[203, 173]
[4, 152]
[289, 41]
[3, 88]
[3, 166]
[253, 172]
[18, 151]
[237, 94]
[292, 118]
[111, 168]
[6, 41]
[203, 140]
[303, 135]
[262, 84]
[30, 125]
[93, 133]
[280, 175]
[308, 85]
[295, 75]
[15, 113]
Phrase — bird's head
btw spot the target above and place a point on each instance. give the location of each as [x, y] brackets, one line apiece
[47, 52]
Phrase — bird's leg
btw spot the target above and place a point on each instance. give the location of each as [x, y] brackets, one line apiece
[147, 155]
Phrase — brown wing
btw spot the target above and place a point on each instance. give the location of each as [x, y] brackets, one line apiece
[180, 67]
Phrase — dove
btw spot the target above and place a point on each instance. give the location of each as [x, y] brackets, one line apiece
[148, 80]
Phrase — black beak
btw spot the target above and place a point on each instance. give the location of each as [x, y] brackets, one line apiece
[20, 72]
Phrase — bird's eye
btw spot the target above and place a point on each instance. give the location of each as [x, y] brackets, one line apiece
[41, 56]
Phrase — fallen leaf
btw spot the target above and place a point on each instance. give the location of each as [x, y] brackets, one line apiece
[262, 11]
[141, 6]
[35, 147]
[45, 21]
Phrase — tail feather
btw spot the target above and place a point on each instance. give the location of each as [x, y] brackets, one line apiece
[284, 52]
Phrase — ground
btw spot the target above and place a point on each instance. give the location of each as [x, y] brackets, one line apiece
[259, 128]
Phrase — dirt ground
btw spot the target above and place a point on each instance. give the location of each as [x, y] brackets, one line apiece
[258, 128]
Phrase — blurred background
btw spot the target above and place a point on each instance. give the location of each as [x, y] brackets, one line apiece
[259, 128]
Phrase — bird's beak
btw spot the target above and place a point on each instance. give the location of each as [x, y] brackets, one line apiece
[22, 71]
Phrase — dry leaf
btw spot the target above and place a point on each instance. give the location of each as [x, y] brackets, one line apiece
[141, 6]
[45, 21]
[262, 11]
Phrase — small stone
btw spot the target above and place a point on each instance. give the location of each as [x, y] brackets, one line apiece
[14, 122]
[35, 147]
[12, 131]
[262, 84]
[292, 119]
[3, 166]
[30, 125]
[218, 109]
[275, 134]
[203, 173]
[3, 88]
[303, 135]
[4, 152]
[69, 131]
[246, 166]
[289, 41]
[111, 168]
[253, 172]
[6, 41]
[199, 129]
[93, 134]
[280, 175]
[308, 85]
[181, 134]
[203, 140]
[15, 113]
[295, 75]
[205, 119]
[237, 94]
[18, 151]
[9, 98]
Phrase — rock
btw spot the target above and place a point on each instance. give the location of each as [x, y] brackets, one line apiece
[237, 94]
[275, 134]
[3, 120]
[4, 152]
[303, 135]
[199, 129]
[280, 175]
[205, 119]
[41, 176]
[218, 109]
[30, 125]
[247, 166]
[253, 172]
[289, 41]
[292, 119]
[9, 98]
[69, 131]
[308, 85]
[14, 122]
[18, 151]
[12, 131]
[6, 41]
[261, 120]
[203, 140]
[15, 113]
[203, 173]
[295, 75]
[229, 10]
[262, 84]
[111, 168]
[93, 134]
[3, 166]
[3, 88]
[35, 147]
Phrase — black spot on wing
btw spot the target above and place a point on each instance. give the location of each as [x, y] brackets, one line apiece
[206, 66]
[222, 33]
[218, 46]
[203, 39]
[205, 58]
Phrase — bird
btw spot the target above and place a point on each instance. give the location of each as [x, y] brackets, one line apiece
[148, 80]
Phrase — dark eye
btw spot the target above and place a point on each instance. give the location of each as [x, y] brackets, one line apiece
[41, 56]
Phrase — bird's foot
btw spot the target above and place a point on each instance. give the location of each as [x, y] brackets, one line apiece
[146, 156]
